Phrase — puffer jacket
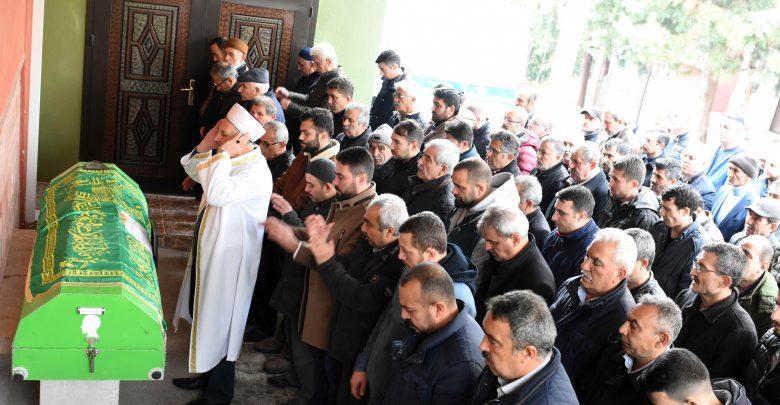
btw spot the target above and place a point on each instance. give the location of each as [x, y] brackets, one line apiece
[463, 221]
[762, 379]
[400, 173]
[640, 213]
[526, 155]
[434, 195]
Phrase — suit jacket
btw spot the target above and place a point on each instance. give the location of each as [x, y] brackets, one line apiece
[734, 221]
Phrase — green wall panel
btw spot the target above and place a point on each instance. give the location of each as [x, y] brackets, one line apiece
[61, 82]
[354, 27]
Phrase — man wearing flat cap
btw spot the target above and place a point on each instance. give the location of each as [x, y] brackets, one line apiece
[235, 54]
[254, 83]
[218, 284]
[593, 125]
[728, 209]
[763, 218]
[379, 147]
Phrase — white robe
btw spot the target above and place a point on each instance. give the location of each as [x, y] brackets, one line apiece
[236, 193]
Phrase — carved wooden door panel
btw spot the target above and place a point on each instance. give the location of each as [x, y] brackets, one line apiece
[141, 54]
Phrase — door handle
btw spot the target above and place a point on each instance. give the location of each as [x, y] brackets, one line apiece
[190, 92]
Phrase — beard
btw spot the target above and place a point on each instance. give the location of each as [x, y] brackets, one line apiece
[459, 203]
[311, 147]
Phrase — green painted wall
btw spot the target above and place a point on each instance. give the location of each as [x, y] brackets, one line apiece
[61, 81]
[354, 27]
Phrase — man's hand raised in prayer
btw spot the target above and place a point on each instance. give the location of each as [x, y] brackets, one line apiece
[210, 140]
[281, 205]
[320, 244]
[281, 233]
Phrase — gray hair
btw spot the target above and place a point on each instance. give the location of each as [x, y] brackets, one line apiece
[409, 87]
[223, 70]
[325, 51]
[765, 250]
[392, 211]
[504, 220]
[590, 152]
[625, 248]
[645, 245]
[447, 153]
[362, 109]
[528, 317]
[268, 105]
[532, 190]
[509, 142]
[557, 144]
[280, 131]
[731, 260]
[669, 314]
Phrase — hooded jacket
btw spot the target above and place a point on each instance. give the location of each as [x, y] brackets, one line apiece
[550, 385]
[463, 221]
[585, 328]
[641, 212]
[376, 355]
[438, 368]
[564, 252]
[729, 392]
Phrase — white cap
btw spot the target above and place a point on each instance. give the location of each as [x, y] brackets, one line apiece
[245, 123]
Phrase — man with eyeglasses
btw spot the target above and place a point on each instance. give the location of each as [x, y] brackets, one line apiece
[515, 120]
[715, 327]
[273, 145]
[225, 79]
[405, 104]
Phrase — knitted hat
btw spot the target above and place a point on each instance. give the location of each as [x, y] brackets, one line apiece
[323, 169]
[305, 53]
[237, 43]
[381, 135]
[746, 163]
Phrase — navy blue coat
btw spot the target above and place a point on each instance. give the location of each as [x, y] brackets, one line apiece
[382, 107]
[564, 253]
[674, 257]
[704, 186]
[584, 330]
[550, 385]
[441, 368]
[734, 221]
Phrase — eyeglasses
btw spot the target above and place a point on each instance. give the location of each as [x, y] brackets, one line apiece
[268, 144]
[508, 119]
[220, 83]
[400, 97]
[699, 269]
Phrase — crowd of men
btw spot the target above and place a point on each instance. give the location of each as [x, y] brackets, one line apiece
[453, 262]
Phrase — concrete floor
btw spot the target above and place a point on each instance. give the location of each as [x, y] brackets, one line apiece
[251, 385]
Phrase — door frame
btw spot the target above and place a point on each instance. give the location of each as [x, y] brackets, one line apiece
[96, 56]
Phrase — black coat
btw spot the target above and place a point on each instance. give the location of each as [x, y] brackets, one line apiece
[280, 164]
[564, 253]
[526, 271]
[585, 330]
[218, 108]
[359, 141]
[729, 392]
[552, 180]
[762, 379]
[537, 225]
[440, 368]
[640, 213]
[383, 106]
[550, 385]
[722, 336]
[398, 181]
[482, 139]
[674, 257]
[435, 196]
[338, 125]
[650, 286]
[396, 117]
[609, 382]
[316, 97]
[362, 283]
[286, 297]
[511, 168]
[599, 189]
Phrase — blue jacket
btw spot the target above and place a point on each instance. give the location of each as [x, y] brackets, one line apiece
[734, 221]
[564, 253]
[469, 154]
[549, 386]
[585, 329]
[704, 186]
[440, 368]
[719, 166]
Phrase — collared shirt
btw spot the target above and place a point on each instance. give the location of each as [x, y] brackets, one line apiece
[582, 294]
[507, 387]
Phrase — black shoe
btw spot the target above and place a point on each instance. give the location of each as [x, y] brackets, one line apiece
[254, 334]
[191, 383]
[280, 381]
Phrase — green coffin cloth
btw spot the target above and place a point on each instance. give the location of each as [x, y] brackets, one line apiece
[94, 228]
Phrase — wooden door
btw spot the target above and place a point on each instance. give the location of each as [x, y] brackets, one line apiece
[142, 55]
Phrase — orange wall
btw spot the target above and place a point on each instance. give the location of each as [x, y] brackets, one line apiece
[13, 33]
